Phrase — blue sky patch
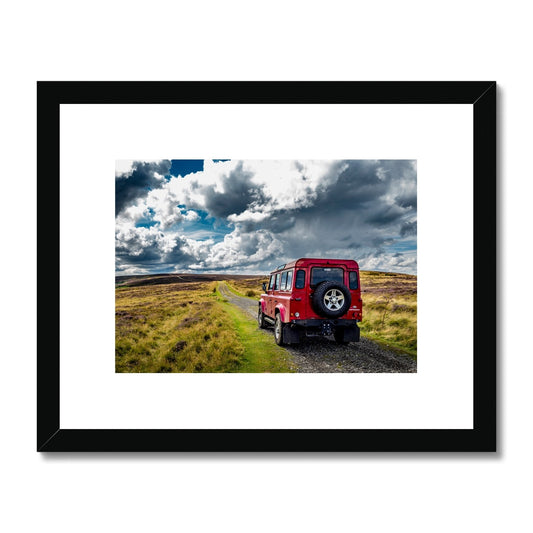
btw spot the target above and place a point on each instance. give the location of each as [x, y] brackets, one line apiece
[182, 167]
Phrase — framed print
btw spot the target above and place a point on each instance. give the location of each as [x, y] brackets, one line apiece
[254, 266]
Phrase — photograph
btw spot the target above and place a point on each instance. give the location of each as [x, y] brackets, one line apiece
[248, 266]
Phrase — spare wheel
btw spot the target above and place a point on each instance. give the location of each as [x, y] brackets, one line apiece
[331, 299]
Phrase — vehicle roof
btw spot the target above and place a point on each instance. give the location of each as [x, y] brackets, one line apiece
[306, 261]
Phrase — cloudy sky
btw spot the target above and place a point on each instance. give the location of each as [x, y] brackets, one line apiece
[247, 216]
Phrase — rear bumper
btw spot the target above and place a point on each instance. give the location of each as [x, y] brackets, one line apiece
[317, 322]
[295, 329]
[316, 326]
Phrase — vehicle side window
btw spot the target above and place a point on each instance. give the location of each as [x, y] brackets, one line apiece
[300, 279]
[283, 280]
[271, 282]
[276, 285]
[288, 286]
[353, 281]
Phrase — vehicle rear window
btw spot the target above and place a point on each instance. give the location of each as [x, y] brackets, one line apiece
[271, 282]
[300, 279]
[320, 274]
[353, 281]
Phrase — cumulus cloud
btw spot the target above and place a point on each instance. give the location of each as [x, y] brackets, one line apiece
[242, 249]
[138, 179]
[123, 167]
[150, 249]
[271, 212]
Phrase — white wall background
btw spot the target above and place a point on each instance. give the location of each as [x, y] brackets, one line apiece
[277, 40]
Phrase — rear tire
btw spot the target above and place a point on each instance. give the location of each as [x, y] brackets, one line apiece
[261, 319]
[278, 330]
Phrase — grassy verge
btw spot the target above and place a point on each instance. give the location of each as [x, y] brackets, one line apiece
[260, 354]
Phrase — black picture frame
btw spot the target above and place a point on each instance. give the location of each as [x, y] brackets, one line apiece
[52, 438]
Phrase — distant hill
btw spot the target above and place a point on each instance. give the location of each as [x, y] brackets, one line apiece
[165, 279]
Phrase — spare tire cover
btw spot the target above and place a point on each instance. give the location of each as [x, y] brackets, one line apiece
[331, 299]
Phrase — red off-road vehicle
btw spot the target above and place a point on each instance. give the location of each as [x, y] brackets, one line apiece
[312, 297]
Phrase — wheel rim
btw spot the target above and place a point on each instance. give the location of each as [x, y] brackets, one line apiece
[333, 299]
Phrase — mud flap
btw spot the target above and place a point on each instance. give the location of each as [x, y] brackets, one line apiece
[291, 335]
[352, 334]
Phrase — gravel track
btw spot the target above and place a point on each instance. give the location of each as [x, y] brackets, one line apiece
[324, 355]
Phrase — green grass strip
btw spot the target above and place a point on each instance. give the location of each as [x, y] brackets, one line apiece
[261, 353]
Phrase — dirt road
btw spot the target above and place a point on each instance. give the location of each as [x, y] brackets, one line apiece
[323, 354]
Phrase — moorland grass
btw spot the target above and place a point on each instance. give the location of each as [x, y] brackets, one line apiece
[185, 327]
[390, 310]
